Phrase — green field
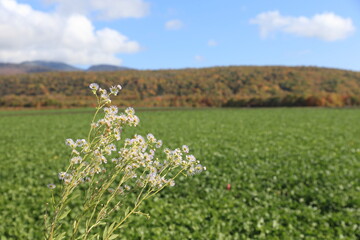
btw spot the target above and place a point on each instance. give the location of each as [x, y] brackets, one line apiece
[294, 173]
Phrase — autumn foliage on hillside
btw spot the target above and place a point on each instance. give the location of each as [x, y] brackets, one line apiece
[243, 86]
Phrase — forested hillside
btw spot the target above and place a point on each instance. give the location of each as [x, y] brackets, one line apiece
[236, 86]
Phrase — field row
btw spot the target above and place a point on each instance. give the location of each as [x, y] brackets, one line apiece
[294, 173]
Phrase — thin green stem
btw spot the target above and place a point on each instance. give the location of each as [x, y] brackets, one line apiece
[128, 215]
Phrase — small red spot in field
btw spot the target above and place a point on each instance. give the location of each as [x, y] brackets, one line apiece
[228, 187]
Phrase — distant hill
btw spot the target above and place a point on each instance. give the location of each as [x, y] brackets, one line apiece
[106, 67]
[233, 86]
[11, 68]
[51, 66]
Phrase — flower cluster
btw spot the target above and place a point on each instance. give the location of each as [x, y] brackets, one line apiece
[137, 156]
[104, 95]
[110, 163]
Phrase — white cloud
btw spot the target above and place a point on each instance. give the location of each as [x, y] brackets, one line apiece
[121, 8]
[174, 24]
[325, 26]
[104, 9]
[212, 43]
[199, 58]
[27, 34]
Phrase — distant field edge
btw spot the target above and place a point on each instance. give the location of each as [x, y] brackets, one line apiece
[28, 112]
[6, 112]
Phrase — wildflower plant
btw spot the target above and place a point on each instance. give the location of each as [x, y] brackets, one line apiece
[106, 173]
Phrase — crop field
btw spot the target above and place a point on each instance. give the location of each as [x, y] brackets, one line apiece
[294, 173]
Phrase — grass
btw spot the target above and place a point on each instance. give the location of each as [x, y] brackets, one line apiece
[294, 173]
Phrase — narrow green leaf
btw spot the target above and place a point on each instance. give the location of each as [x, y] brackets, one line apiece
[64, 214]
[105, 232]
[127, 211]
[114, 236]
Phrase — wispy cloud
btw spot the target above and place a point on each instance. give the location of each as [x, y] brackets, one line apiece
[174, 24]
[325, 26]
[28, 34]
[104, 9]
[212, 43]
[199, 58]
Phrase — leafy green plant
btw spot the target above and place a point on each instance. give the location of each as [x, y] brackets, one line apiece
[112, 177]
[293, 173]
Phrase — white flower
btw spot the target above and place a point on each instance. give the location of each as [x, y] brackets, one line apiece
[191, 171]
[199, 168]
[70, 143]
[67, 179]
[107, 110]
[151, 138]
[158, 144]
[117, 133]
[62, 175]
[105, 97]
[114, 109]
[114, 90]
[51, 186]
[76, 160]
[185, 149]
[129, 111]
[80, 142]
[102, 91]
[110, 148]
[191, 158]
[172, 183]
[94, 86]
[101, 159]
[135, 121]
[128, 141]
[75, 152]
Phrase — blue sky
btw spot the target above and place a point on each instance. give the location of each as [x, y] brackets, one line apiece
[158, 34]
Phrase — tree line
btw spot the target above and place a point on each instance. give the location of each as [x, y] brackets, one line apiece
[234, 86]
